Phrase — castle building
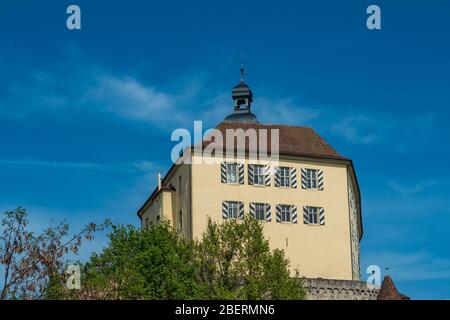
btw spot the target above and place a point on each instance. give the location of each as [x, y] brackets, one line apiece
[309, 203]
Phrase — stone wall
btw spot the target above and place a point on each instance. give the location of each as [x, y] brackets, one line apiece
[329, 289]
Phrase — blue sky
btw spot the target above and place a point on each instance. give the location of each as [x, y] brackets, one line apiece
[86, 116]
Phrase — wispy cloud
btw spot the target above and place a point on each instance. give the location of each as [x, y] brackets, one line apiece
[355, 129]
[98, 90]
[50, 163]
[133, 166]
[412, 189]
[284, 111]
[130, 99]
[145, 165]
[188, 98]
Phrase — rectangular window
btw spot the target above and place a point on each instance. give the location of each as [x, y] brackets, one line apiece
[258, 174]
[285, 213]
[260, 211]
[313, 215]
[311, 178]
[232, 209]
[284, 173]
[232, 172]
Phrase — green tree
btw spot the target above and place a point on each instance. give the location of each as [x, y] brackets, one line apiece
[236, 263]
[149, 264]
[232, 260]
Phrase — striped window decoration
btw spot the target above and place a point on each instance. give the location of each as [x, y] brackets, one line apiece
[259, 174]
[313, 215]
[252, 210]
[320, 179]
[232, 172]
[268, 213]
[312, 179]
[250, 173]
[294, 214]
[241, 210]
[241, 173]
[277, 177]
[223, 172]
[286, 213]
[293, 177]
[286, 177]
[260, 211]
[278, 212]
[267, 175]
[232, 210]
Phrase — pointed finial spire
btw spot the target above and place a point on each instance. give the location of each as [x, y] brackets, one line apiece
[387, 270]
[242, 67]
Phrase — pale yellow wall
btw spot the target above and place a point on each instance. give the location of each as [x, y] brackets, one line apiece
[181, 200]
[168, 204]
[151, 212]
[160, 207]
[318, 251]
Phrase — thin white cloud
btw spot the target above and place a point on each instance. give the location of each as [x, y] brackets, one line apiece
[130, 99]
[355, 129]
[412, 189]
[188, 99]
[284, 111]
[134, 166]
[145, 165]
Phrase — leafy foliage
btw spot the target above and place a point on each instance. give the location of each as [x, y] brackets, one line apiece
[148, 264]
[231, 261]
[237, 263]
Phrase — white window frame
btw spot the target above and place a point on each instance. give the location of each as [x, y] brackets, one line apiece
[313, 213]
[259, 174]
[232, 172]
[286, 211]
[260, 211]
[311, 178]
[284, 174]
[233, 209]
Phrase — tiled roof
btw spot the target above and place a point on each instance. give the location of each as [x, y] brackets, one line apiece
[388, 291]
[294, 140]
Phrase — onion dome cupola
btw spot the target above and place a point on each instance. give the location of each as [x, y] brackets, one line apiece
[243, 98]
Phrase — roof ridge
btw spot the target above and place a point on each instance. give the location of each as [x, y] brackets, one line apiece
[300, 140]
[262, 124]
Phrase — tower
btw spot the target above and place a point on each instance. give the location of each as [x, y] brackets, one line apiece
[309, 204]
[242, 97]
